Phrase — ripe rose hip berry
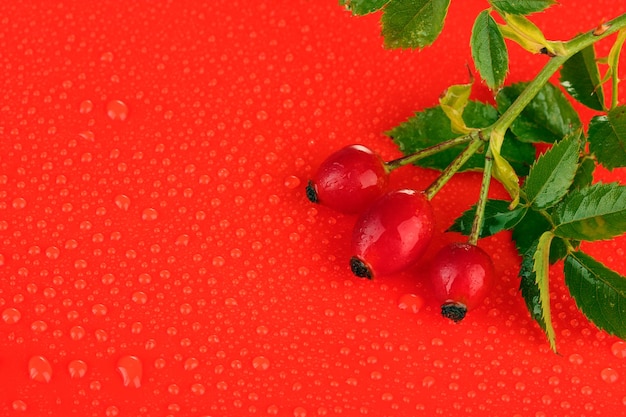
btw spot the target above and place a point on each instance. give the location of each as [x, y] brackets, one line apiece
[391, 234]
[461, 275]
[349, 180]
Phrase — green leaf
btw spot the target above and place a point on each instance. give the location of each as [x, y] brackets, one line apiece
[528, 230]
[453, 102]
[599, 292]
[362, 7]
[592, 213]
[413, 23]
[520, 155]
[581, 79]
[497, 218]
[541, 267]
[549, 116]
[607, 138]
[529, 288]
[553, 173]
[431, 126]
[489, 50]
[584, 175]
[521, 30]
[521, 6]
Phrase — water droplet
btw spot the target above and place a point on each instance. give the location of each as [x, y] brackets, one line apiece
[112, 411]
[292, 182]
[39, 369]
[619, 349]
[122, 202]
[428, 381]
[198, 389]
[410, 302]
[299, 412]
[149, 214]
[88, 135]
[19, 405]
[86, 107]
[260, 363]
[11, 315]
[19, 203]
[131, 369]
[77, 332]
[77, 369]
[117, 110]
[191, 364]
[609, 375]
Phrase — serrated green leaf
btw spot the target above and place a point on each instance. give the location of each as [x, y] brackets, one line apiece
[584, 175]
[607, 138]
[549, 116]
[413, 23]
[541, 268]
[599, 292]
[553, 173]
[489, 51]
[453, 102]
[593, 213]
[521, 6]
[362, 7]
[581, 79]
[521, 30]
[431, 126]
[497, 218]
[529, 288]
[528, 230]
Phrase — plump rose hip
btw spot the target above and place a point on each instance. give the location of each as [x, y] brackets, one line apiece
[349, 180]
[392, 234]
[461, 276]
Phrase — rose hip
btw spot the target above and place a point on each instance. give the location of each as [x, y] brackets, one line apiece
[349, 180]
[391, 234]
[461, 275]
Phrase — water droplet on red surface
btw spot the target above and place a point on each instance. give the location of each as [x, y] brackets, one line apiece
[619, 349]
[260, 363]
[19, 203]
[117, 110]
[609, 375]
[131, 369]
[292, 182]
[77, 369]
[39, 369]
[88, 135]
[149, 214]
[410, 302]
[122, 202]
[11, 315]
[86, 107]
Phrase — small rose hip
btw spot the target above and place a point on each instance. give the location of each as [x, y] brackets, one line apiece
[461, 276]
[391, 234]
[349, 180]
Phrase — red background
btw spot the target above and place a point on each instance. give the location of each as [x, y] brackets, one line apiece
[169, 237]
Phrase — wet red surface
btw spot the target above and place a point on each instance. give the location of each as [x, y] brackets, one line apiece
[158, 253]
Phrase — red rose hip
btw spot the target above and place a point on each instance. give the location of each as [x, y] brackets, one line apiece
[391, 234]
[461, 275]
[349, 180]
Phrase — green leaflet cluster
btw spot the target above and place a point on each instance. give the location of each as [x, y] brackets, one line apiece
[559, 205]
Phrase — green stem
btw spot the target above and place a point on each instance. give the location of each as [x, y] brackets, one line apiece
[426, 152]
[475, 143]
[479, 217]
[567, 49]
[621, 37]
